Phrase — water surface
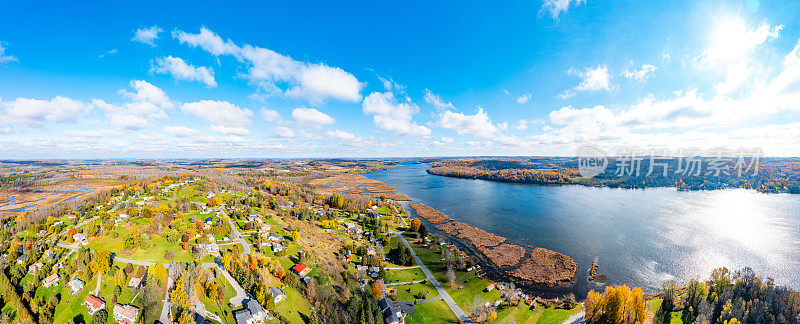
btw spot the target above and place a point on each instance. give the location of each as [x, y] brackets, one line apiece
[642, 237]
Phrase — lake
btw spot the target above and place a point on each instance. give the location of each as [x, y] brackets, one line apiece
[643, 237]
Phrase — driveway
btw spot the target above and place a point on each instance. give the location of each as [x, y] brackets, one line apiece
[237, 236]
[241, 294]
[442, 293]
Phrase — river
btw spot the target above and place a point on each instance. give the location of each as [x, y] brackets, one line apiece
[643, 237]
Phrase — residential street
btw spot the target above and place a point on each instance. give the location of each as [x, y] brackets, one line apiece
[443, 293]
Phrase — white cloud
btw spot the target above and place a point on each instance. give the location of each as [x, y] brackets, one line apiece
[341, 135]
[230, 130]
[227, 117]
[276, 73]
[148, 100]
[180, 70]
[594, 79]
[311, 116]
[478, 124]
[107, 53]
[3, 57]
[147, 35]
[270, 115]
[642, 74]
[92, 133]
[733, 40]
[437, 102]
[391, 115]
[33, 112]
[523, 99]
[209, 41]
[129, 122]
[556, 7]
[282, 131]
[522, 124]
[181, 131]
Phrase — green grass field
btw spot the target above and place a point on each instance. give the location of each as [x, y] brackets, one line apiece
[432, 312]
[407, 292]
[404, 275]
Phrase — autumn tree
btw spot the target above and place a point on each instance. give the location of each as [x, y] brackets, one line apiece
[101, 261]
[618, 304]
[415, 224]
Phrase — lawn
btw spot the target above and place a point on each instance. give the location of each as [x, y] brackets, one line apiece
[222, 309]
[404, 275]
[295, 308]
[432, 312]
[407, 292]
[556, 316]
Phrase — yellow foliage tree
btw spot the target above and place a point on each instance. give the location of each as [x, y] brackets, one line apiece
[618, 304]
[415, 224]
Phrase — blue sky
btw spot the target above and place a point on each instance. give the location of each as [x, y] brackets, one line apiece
[322, 79]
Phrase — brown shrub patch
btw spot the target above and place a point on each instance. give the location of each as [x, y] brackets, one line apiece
[504, 255]
[432, 215]
[353, 184]
[546, 267]
[479, 238]
[449, 228]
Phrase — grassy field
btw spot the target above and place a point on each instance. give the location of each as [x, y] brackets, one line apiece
[70, 307]
[432, 312]
[404, 275]
[407, 292]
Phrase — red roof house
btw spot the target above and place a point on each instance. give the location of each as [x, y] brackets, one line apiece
[301, 269]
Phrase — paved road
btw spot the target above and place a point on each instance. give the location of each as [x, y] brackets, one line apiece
[115, 258]
[97, 289]
[442, 293]
[165, 316]
[241, 294]
[236, 235]
[579, 318]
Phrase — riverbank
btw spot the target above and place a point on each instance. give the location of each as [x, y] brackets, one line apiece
[506, 262]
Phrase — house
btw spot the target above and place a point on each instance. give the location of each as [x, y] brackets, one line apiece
[135, 282]
[44, 233]
[34, 268]
[385, 292]
[79, 238]
[123, 214]
[252, 313]
[277, 294]
[274, 237]
[490, 287]
[210, 195]
[76, 285]
[51, 280]
[391, 313]
[93, 304]
[277, 247]
[22, 259]
[125, 314]
[301, 269]
[361, 268]
[210, 221]
[71, 217]
[373, 272]
[371, 250]
[373, 215]
[49, 255]
[57, 223]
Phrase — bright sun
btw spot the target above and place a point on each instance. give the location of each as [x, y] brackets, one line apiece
[729, 40]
